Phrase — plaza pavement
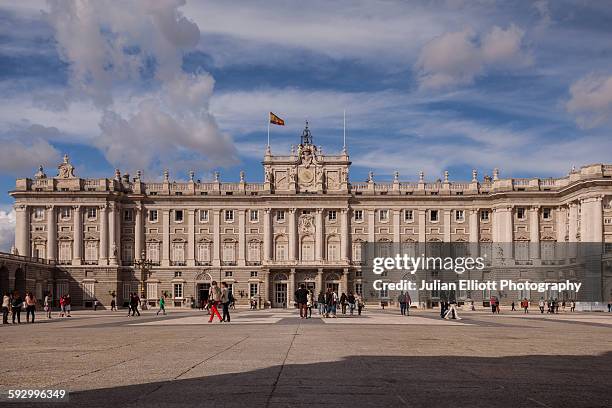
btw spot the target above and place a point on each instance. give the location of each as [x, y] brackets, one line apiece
[271, 358]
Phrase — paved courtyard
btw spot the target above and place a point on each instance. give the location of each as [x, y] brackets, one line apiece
[272, 358]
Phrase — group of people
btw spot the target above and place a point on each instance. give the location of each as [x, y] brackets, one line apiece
[552, 305]
[327, 303]
[14, 304]
[219, 296]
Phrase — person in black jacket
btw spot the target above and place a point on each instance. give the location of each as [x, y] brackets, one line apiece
[16, 306]
[301, 297]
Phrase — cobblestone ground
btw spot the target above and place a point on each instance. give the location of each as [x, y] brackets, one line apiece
[274, 359]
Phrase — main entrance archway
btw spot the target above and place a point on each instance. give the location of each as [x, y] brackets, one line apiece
[280, 297]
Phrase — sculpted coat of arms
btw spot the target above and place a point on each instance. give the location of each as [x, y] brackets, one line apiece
[306, 224]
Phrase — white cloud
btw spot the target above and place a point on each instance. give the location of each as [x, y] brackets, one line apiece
[457, 58]
[127, 62]
[7, 230]
[591, 100]
[24, 149]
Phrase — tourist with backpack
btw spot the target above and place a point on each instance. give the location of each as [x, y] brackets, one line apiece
[226, 299]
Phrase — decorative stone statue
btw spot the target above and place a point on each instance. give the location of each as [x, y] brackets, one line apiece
[40, 174]
[474, 175]
[217, 174]
[65, 170]
[446, 176]
[166, 176]
[370, 177]
[396, 176]
[242, 176]
[421, 176]
[191, 175]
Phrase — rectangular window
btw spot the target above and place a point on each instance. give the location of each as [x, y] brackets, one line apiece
[546, 213]
[280, 215]
[88, 291]
[92, 212]
[65, 252]
[128, 253]
[253, 289]
[153, 215]
[178, 290]
[229, 215]
[358, 215]
[128, 215]
[520, 213]
[178, 253]
[203, 215]
[383, 215]
[359, 289]
[253, 274]
[229, 274]
[408, 215]
[459, 215]
[433, 215]
[153, 252]
[151, 290]
[39, 213]
[91, 252]
[332, 215]
[484, 215]
[65, 212]
[178, 215]
[254, 215]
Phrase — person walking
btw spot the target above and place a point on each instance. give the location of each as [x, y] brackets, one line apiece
[301, 297]
[321, 303]
[351, 302]
[329, 300]
[343, 302]
[47, 304]
[573, 306]
[16, 306]
[6, 305]
[162, 306]
[113, 302]
[135, 305]
[30, 301]
[401, 298]
[541, 305]
[62, 303]
[525, 306]
[360, 304]
[130, 303]
[493, 305]
[513, 308]
[214, 297]
[225, 301]
[408, 303]
[310, 303]
[68, 304]
[96, 304]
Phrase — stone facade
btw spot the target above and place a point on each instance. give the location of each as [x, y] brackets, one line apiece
[305, 223]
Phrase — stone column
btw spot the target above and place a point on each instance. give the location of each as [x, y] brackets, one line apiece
[591, 220]
[190, 261]
[103, 260]
[291, 289]
[371, 227]
[267, 232]
[51, 233]
[396, 227]
[422, 232]
[344, 282]
[320, 236]
[165, 260]
[573, 222]
[117, 242]
[319, 281]
[22, 231]
[265, 289]
[77, 235]
[447, 225]
[534, 232]
[216, 237]
[138, 232]
[345, 239]
[241, 237]
[561, 224]
[292, 235]
[474, 233]
[112, 235]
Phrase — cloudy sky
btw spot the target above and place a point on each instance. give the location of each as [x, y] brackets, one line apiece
[433, 86]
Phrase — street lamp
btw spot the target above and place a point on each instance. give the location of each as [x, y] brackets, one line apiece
[145, 269]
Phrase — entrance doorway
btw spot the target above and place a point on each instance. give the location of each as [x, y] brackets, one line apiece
[280, 295]
[203, 294]
[334, 287]
[308, 285]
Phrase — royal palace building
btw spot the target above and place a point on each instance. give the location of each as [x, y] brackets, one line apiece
[305, 223]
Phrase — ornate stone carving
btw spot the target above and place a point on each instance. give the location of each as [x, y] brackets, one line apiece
[65, 169]
[306, 224]
[40, 174]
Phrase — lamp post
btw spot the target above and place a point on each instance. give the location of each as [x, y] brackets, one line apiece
[144, 265]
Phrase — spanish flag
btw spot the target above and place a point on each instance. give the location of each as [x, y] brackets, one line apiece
[275, 120]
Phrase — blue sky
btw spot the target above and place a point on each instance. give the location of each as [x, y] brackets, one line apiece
[427, 85]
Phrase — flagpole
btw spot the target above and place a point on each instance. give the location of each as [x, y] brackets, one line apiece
[344, 130]
[268, 130]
